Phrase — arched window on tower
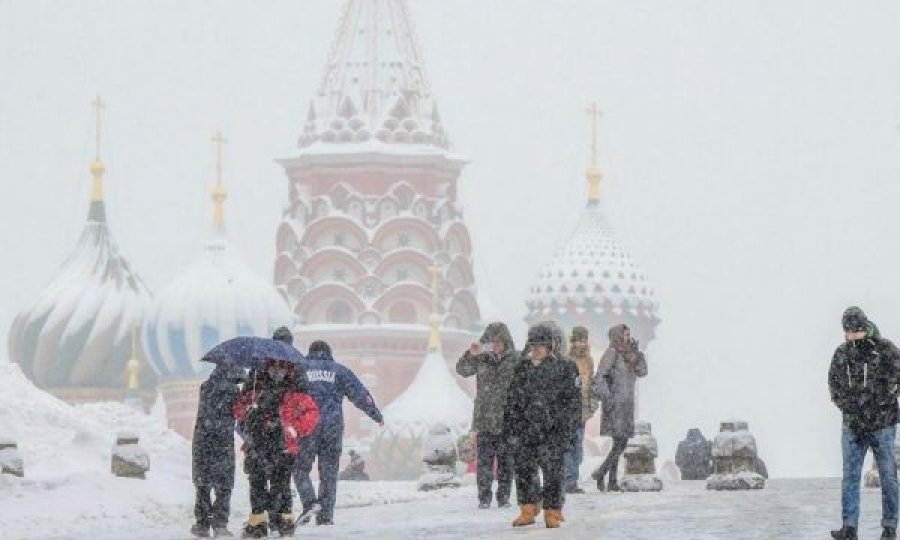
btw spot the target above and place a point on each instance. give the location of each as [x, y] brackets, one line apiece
[339, 313]
[402, 313]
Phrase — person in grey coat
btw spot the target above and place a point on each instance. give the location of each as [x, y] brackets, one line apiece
[614, 385]
[213, 451]
[492, 361]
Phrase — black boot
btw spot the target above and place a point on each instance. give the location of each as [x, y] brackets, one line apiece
[844, 533]
[889, 532]
[222, 531]
[286, 525]
[200, 530]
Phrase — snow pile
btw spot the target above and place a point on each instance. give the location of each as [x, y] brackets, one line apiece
[69, 492]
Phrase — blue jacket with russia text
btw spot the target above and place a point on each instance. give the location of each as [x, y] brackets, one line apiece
[329, 383]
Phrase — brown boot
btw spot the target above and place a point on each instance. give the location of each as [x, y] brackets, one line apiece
[527, 513]
[553, 518]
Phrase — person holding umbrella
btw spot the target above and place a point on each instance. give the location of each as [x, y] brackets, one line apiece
[272, 414]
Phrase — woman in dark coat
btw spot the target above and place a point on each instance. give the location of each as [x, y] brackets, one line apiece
[614, 385]
[213, 451]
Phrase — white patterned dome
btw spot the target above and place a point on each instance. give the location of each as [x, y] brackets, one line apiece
[215, 299]
[592, 271]
[593, 281]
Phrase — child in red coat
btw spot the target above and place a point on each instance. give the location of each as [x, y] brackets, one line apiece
[272, 414]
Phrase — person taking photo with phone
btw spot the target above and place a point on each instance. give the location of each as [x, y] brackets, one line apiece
[492, 361]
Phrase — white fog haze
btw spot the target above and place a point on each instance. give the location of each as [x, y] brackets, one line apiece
[750, 155]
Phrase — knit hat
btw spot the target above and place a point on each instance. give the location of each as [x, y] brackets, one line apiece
[540, 334]
[319, 349]
[854, 320]
[284, 334]
[579, 333]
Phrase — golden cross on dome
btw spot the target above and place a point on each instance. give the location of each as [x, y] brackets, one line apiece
[99, 105]
[219, 140]
[595, 113]
[434, 319]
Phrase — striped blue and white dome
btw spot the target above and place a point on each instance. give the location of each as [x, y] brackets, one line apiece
[215, 299]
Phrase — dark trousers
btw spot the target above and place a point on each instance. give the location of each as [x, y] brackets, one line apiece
[490, 448]
[611, 463]
[549, 461]
[324, 445]
[270, 483]
[207, 512]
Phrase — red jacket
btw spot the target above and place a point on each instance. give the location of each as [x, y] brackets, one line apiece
[297, 410]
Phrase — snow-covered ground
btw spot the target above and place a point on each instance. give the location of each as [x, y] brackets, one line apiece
[69, 493]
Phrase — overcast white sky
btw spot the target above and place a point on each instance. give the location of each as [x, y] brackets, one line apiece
[751, 155]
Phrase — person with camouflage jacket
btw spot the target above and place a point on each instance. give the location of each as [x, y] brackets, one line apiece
[492, 361]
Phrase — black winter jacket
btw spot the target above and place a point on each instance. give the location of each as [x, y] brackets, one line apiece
[543, 405]
[864, 381]
[213, 442]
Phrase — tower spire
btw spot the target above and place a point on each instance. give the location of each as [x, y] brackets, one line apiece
[434, 319]
[133, 367]
[97, 167]
[219, 193]
[593, 173]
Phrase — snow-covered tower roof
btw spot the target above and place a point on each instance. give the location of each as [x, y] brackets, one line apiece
[592, 280]
[433, 396]
[74, 337]
[374, 90]
[216, 298]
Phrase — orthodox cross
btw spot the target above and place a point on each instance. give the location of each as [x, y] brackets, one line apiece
[595, 114]
[99, 105]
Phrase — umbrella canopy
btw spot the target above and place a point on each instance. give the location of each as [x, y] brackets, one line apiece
[252, 352]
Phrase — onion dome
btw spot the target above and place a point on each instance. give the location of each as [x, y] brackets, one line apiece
[592, 279]
[74, 337]
[216, 298]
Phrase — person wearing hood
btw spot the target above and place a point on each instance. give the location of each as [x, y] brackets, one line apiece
[694, 456]
[273, 415]
[864, 381]
[580, 354]
[329, 383]
[491, 361]
[539, 423]
[212, 451]
[614, 386]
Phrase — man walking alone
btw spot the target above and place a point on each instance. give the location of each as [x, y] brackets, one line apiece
[863, 380]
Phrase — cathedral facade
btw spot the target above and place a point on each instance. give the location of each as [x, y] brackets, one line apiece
[372, 209]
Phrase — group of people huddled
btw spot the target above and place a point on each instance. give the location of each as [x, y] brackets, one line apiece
[288, 416]
[531, 408]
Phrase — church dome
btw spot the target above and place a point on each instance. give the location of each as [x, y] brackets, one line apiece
[592, 271]
[592, 280]
[75, 337]
[216, 298]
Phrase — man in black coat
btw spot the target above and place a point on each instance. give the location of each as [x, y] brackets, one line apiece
[213, 451]
[541, 416]
[864, 381]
